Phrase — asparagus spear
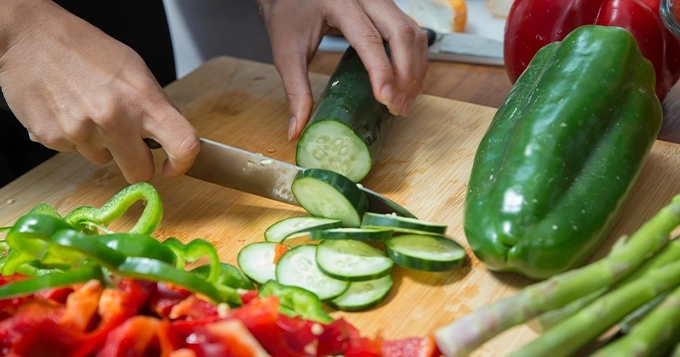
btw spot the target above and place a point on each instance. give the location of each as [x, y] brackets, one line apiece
[668, 254]
[590, 322]
[466, 334]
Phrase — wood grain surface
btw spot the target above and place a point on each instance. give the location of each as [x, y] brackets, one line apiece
[424, 166]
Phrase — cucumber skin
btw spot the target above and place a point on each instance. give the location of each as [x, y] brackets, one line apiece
[345, 186]
[348, 99]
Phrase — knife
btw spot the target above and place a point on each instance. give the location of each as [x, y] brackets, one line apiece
[455, 47]
[464, 47]
[259, 175]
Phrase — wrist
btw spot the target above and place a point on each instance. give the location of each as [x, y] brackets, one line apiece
[15, 17]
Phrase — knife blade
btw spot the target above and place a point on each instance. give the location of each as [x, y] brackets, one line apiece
[465, 47]
[454, 47]
[259, 175]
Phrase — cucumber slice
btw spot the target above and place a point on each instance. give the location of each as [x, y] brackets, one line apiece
[256, 261]
[297, 267]
[327, 194]
[401, 224]
[425, 252]
[294, 226]
[362, 295]
[362, 234]
[352, 260]
[349, 126]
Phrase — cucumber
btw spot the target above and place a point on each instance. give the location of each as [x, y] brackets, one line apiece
[362, 234]
[401, 224]
[362, 295]
[425, 252]
[297, 267]
[352, 260]
[256, 261]
[348, 126]
[327, 194]
[295, 226]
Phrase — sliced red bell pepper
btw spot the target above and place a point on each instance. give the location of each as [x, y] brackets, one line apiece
[29, 314]
[410, 347]
[532, 24]
[227, 338]
[134, 337]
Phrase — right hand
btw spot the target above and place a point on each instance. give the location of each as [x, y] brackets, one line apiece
[75, 88]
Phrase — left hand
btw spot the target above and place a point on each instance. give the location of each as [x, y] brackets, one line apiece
[296, 28]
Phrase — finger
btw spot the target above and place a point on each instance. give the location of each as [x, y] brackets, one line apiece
[134, 159]
[95, 154]
[362, 34]
[53, 142]
[298, 91]
[291, 55]
[177, 137]
[408, 47]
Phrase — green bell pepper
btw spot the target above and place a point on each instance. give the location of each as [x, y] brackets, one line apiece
[85, 217]
[295, 301]
[562, 153]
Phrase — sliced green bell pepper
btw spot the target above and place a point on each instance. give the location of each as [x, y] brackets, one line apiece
[295, 301]
[33, 285]
[562, 153]
[137, 267]
[85, 217]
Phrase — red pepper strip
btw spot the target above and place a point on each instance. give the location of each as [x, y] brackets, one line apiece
[410, 347]
[134, 337]
[279, 249]
[362, 347]
[228, 338]
[86, 216]
[260, 317]
[81, 306]
[47, 338]
[532, 24]
[29, 314]
[164, 298]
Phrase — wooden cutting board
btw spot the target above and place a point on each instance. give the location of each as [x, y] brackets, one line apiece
[424, 166]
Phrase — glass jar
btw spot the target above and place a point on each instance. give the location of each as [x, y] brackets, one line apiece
[669, 15]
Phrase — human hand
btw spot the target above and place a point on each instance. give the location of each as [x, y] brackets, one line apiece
[296, 28]
[75, 88]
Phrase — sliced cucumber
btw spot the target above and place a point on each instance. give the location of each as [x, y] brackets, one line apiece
[425, 252]
[352, 260]
[327, 194]
[256, 261]
[401, 224]
[297, 267]
[294, 226]
[362, 295]
[349, 126]
[363, 234]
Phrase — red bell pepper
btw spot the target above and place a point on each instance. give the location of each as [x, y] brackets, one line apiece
[532, 24]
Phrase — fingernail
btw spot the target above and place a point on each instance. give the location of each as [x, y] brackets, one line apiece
[386, 94]
[399, 102]
[291, 128]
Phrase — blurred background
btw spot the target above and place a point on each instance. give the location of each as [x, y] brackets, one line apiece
[202, 29]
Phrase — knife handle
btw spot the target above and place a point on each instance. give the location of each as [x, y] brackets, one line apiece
[152, 144]
[431, 36]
